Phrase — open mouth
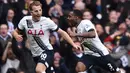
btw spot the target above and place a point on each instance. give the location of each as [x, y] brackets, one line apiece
[3, 33]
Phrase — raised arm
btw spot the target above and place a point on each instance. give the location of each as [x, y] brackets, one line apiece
[4, 56]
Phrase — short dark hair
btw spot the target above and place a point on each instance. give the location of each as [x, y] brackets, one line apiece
[4, 24]
[87, 10]
[34, 3]
[78, 13]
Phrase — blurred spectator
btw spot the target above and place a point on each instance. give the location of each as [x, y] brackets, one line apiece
[4, 36]
[87, 14]
[50, 3]
[23, 53]
[92, 5]
[100, 32]
[112, 25]
[120, 54]
[98, 6]
[56, 10]
[9, 18]
[68, 4]
[4, 39]
[9, 59]
[46, 5]
[54, 43]
[113, 40]
[128, 23]
[26, 5]
[79, 5]
[59, 64]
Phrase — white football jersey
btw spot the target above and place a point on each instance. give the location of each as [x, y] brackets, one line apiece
[40, 29]
[94, 45]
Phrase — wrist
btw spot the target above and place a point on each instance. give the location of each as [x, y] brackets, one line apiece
[78, 35]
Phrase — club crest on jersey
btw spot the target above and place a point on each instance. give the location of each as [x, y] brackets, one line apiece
[29, 23]
[35, 32]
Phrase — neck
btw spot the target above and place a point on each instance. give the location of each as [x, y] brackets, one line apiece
[35, 20]
[9, 19]
[78, 21]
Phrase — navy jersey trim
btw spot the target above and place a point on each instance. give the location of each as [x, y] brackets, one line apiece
[91, 30]
[56, 29]
[19, 29]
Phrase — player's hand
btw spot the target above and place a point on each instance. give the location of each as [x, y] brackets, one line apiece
[19, 38]
[72, 34]
[77, 47]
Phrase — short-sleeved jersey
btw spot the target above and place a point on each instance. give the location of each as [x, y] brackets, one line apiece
[41, 29]
[95, 46]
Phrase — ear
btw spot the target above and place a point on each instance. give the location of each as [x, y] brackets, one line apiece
[30, 12]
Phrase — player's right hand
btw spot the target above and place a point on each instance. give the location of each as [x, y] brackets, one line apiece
[19, 38]
[77, 48]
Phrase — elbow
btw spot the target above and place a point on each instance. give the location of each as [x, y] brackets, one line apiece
[93, 34]
[3, 61]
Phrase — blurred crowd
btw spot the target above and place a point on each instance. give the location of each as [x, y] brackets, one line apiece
[110, 17]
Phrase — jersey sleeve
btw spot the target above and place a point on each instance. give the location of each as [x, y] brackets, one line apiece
[21, 24]
[52, 25]
[89, 25]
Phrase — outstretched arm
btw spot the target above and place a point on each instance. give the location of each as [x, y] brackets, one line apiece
[17, 36]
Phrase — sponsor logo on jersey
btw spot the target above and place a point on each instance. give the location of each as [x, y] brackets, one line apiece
[35, 32]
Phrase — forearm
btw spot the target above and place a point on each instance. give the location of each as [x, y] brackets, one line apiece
[14, 33]
[90, 34]
[4, 56]
[67, 38]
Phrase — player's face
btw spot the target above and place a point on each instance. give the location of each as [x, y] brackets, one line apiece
[36, 12]
[72, 19]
